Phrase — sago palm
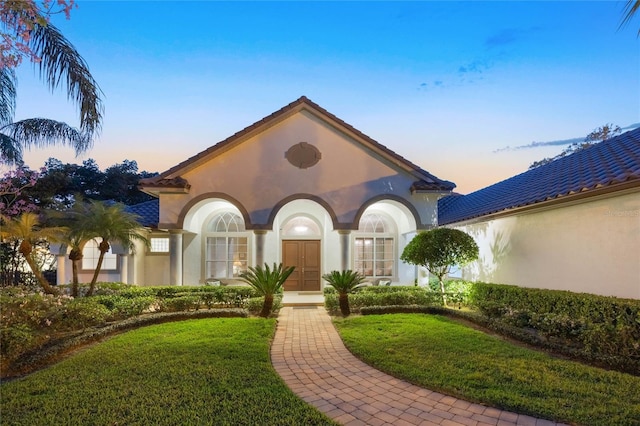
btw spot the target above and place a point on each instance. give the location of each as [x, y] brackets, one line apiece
[110, 223]
[344, 282]
[267, 282]
[27, 229]
[59, 63]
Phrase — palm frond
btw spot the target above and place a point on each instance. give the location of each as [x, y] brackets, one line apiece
[344, 281]
[630, 9]
[10, 150]
[42, 132]
[61, 61]
[7, 95]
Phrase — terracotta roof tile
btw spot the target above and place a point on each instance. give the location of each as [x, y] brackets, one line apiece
[608, 163]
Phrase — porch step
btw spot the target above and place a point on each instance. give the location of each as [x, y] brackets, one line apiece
[303, 298]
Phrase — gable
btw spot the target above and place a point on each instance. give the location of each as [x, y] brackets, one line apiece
[166, 182]
[299, 152]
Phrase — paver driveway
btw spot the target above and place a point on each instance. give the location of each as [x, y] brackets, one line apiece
[309, 355]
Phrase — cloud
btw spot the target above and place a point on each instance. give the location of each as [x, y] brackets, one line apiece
[508, 36]
[560, 142]
[540, 144]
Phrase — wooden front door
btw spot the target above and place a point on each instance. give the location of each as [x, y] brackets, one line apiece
[305, 256]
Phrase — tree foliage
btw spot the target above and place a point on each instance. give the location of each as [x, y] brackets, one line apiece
[267, 282]
[344, 282]
[598, 135]
[27, 230]
[110, 223]
[438, 250]
[25, 31]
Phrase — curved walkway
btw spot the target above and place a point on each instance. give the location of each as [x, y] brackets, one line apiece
[309, 355]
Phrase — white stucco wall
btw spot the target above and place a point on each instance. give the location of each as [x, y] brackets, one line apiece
[591, 247]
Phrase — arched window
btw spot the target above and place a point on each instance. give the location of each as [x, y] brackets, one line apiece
[226, 246]
[374, 246]
[91, 253]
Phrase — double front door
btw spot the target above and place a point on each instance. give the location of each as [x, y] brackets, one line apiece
[305, 256]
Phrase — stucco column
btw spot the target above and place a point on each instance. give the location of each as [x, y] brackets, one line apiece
[60, 251]
[61, 260]
[175, 256]
[259, 233]
[123, 259]
[344, 248]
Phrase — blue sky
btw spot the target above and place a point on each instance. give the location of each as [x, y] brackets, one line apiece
[448, 85]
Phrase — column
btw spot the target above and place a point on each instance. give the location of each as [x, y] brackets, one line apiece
[123, 259]
[175, 256]
[60, 251]
[260, 233]
[61, 260]
[344, 248]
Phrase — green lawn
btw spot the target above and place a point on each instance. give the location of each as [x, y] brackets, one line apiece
[196, 372]
[440, 354]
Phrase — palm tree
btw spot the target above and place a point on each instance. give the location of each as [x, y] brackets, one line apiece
[60, 63]
[76, 237]
[267, 282]
[110, 223]
[344, 282]
[27, 229]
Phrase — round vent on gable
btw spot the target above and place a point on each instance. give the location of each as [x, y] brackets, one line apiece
[303, 155]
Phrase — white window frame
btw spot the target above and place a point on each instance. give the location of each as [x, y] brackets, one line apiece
[109, 257]
[161, 246]
[234, 264]
[373, 235]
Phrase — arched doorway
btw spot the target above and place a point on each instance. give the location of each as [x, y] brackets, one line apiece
[301, 248]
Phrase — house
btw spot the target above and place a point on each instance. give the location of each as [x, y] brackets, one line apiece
[573, 224]
[301, 187]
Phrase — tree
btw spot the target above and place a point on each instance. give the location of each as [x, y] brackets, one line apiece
[598, 135]
[27, 229]
[630, 9]
[267, 282]
[110, 223]
[344, 282]
[76, 236]
[26, 31]
[439, 250]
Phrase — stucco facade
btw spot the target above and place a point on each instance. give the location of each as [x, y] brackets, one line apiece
[300, 165]
[590, 246]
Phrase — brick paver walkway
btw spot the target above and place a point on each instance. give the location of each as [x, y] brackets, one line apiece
[309, 355]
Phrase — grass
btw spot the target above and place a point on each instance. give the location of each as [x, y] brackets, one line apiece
[208, 371]
[443, 355]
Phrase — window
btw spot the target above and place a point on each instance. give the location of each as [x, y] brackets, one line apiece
[91, 253]
[159, 245]
[374, 247]
[227, 246]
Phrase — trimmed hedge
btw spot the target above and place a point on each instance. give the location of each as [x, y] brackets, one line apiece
[593, 327]
[385, 296]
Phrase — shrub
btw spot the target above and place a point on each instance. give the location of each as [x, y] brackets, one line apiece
[385, 296]
[180, 303]
[81, 313]
[122, 307]
[601, 327]
[16, 338]
[254, 304]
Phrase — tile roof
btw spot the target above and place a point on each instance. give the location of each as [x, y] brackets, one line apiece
[615, 161]
[148, 212]
[425, 180]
